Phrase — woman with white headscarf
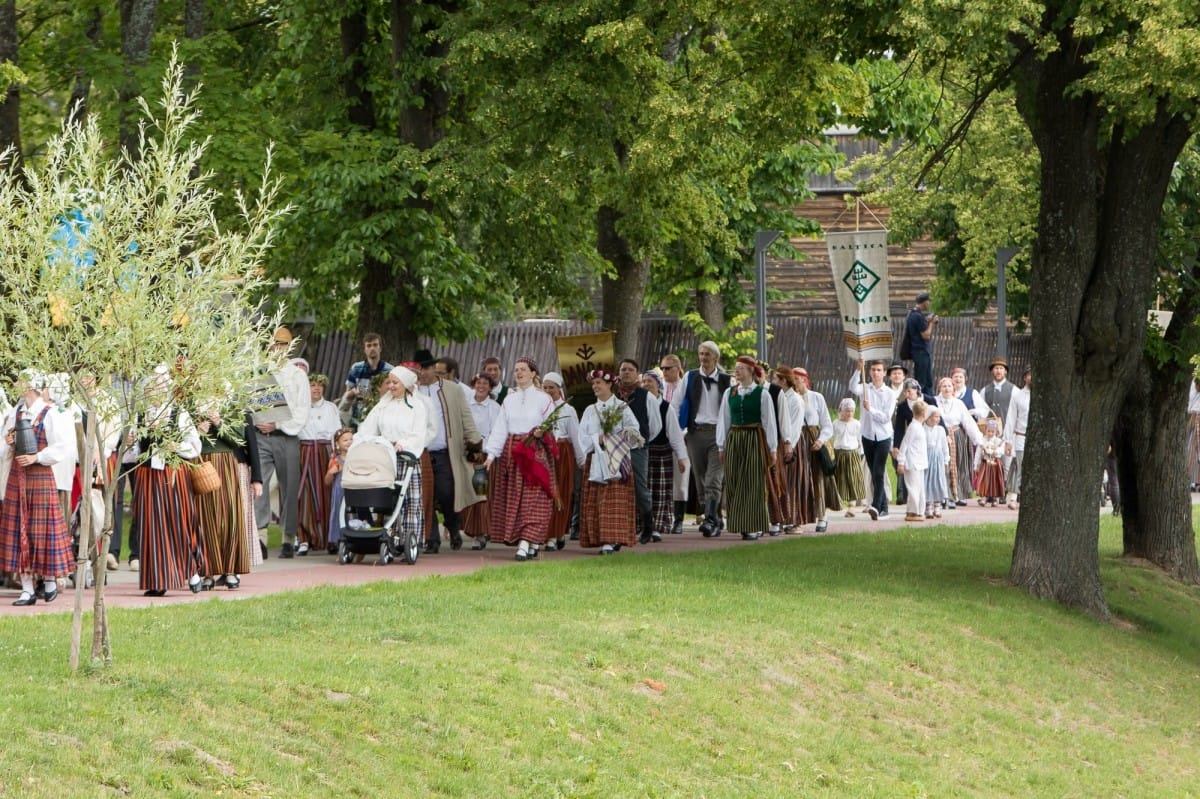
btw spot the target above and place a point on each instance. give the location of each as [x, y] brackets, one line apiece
[566, 461]
[402, 417]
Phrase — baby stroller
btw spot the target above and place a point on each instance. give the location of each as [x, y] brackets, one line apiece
[375, 480]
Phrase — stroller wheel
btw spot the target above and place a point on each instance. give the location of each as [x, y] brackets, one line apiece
[344, 554]
[410, 547]
[385, 553]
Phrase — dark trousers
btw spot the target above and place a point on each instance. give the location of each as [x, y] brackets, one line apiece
[876, 453]
[640, 460]
[443, 492]
[923, 370]
[114, 543]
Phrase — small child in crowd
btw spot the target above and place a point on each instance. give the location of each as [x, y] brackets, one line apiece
[912, 463]
[849, 468]
[937, 488]
[342, 440]
[989, 466]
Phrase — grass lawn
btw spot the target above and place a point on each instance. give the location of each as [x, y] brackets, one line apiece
[892, 665]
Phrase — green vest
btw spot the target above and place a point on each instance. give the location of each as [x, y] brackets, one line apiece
[747, 409]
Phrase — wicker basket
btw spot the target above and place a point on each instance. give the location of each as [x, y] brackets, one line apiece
[205, 477]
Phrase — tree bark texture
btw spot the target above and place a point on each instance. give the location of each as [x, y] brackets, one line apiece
[77, 107]
[422, 119]
[1156, 513]
[385, 308]
[1093, 271]
[711, 308]
[138, 21]
[10, 108]
[622, 293]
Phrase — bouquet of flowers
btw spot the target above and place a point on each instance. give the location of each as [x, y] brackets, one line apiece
[534, 455]
[610, 418]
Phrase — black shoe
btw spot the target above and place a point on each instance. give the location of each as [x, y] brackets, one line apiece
[480, 543]
[456, 541]
[644, 538]
[26, 600]
[677, 528]
[195, 583]
[263, 548]
[822, 527]
[750, 536]
[287, 551]
[51, 595]
[155, 592]
[432, 547]
[39, 590]
[574, 536]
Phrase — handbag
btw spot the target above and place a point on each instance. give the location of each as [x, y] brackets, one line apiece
[205, 477]
[828, 463]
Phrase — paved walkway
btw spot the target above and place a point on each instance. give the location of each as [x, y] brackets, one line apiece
[322, 569]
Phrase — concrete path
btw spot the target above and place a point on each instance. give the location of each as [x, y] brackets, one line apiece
[322, 569]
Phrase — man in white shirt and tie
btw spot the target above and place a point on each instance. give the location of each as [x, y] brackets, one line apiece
[698, 403]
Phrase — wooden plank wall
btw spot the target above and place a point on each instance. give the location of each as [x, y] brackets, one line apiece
[815, 343]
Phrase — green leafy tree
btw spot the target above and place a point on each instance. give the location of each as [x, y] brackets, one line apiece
[1109, 97]
[658, 122]
[117, 266]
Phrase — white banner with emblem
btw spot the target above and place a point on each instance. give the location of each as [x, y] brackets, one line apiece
[860, 275]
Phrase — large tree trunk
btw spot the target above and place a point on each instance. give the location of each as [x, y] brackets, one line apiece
[10, 106]
[381, 289]
[138, 20]
[622, 293]
[711, 308]
[1156, 504]
[77, 106]
[1093, 270]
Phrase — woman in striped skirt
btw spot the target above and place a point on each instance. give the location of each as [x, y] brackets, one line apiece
[609, 431]
[484, 410]
[795, 473]
[34, 538]
[747, 439]
[172, 546]
[668, 453]
[228, 529]
[316, 445]
[520, 466]
[566, 437]
[961, 432]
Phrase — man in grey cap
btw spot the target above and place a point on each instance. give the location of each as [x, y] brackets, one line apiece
[919, 331]
[698, 403]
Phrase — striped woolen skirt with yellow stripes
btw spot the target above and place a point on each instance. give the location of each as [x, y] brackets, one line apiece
[746, 468]
[223, 518]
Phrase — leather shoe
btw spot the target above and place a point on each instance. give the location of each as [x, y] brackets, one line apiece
[51, 595]
[822, 526]
[432, 547]
[287, 551]
[480, 543]
[750, 536]
[456, 541]
[155, 592]
[26, 599]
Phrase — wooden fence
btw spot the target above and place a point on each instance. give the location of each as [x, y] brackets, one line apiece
[816, 344]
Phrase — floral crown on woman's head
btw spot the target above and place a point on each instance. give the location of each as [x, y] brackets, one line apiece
[600, 374]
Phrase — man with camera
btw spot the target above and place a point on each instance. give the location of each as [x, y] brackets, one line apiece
[919, 331]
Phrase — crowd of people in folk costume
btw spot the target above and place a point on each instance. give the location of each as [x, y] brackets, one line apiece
[757, 450]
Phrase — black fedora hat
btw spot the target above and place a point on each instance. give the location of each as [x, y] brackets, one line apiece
[424, 358]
